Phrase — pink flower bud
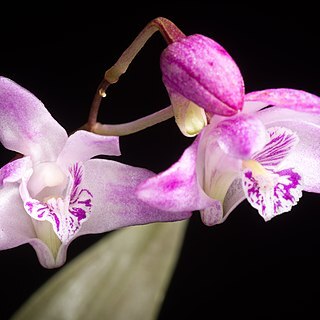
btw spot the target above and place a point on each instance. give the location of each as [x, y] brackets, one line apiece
[202, 71]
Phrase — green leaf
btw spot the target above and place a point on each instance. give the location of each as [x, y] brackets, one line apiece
[123, 276]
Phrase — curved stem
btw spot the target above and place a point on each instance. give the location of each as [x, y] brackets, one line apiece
[169, 31]
[93, 114]
[133, 126]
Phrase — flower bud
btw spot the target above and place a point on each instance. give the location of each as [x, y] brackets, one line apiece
[201, 70]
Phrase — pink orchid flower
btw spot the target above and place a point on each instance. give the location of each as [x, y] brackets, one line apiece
[55, 192]
[265, 155]
[202, 64]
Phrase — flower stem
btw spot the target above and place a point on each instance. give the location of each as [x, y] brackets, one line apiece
[133, 126]
[169, 31]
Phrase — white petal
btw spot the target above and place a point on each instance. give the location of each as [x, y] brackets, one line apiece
[83, 145]
[15, 224]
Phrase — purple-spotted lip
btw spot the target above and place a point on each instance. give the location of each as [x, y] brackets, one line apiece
[276, 190]
[67, 214]
[283, 195]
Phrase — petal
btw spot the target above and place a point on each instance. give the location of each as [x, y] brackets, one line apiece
[114, 203]
[202, 71]
[253, 106]
[83, 145]
[13, 171]
[306, 155]
[282, 142]
[25, 124]
[273, 194]
[287, 98]
[216, 172]
[218, 214]
[17, 229]
[233, 198]
[190, 118]
[177, 189]
[241, 136]
[271, 116]
[212, 215]
[16, 225]
[45, 256]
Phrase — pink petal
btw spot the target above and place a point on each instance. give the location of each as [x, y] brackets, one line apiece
[177, 189]
[253, 106]
[26, 126]
[114, 203]
[241, 136]
[202, 71]
[14, 170]
[16, 227]
[83, 145]
[287, 98]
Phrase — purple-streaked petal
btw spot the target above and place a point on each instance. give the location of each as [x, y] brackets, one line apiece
[241, 136]
[274, 193]
[298, 100]
[15, 224]
[26, 126]
[114, 203]
[177, 188]
[83, 145]
[282, 142]
[202, 71]
[306, 155]
[13, 171]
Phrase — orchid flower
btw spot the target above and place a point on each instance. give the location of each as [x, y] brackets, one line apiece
[265, 155]
[55, 191]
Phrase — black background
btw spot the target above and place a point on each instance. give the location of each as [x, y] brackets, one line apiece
[243, 267]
